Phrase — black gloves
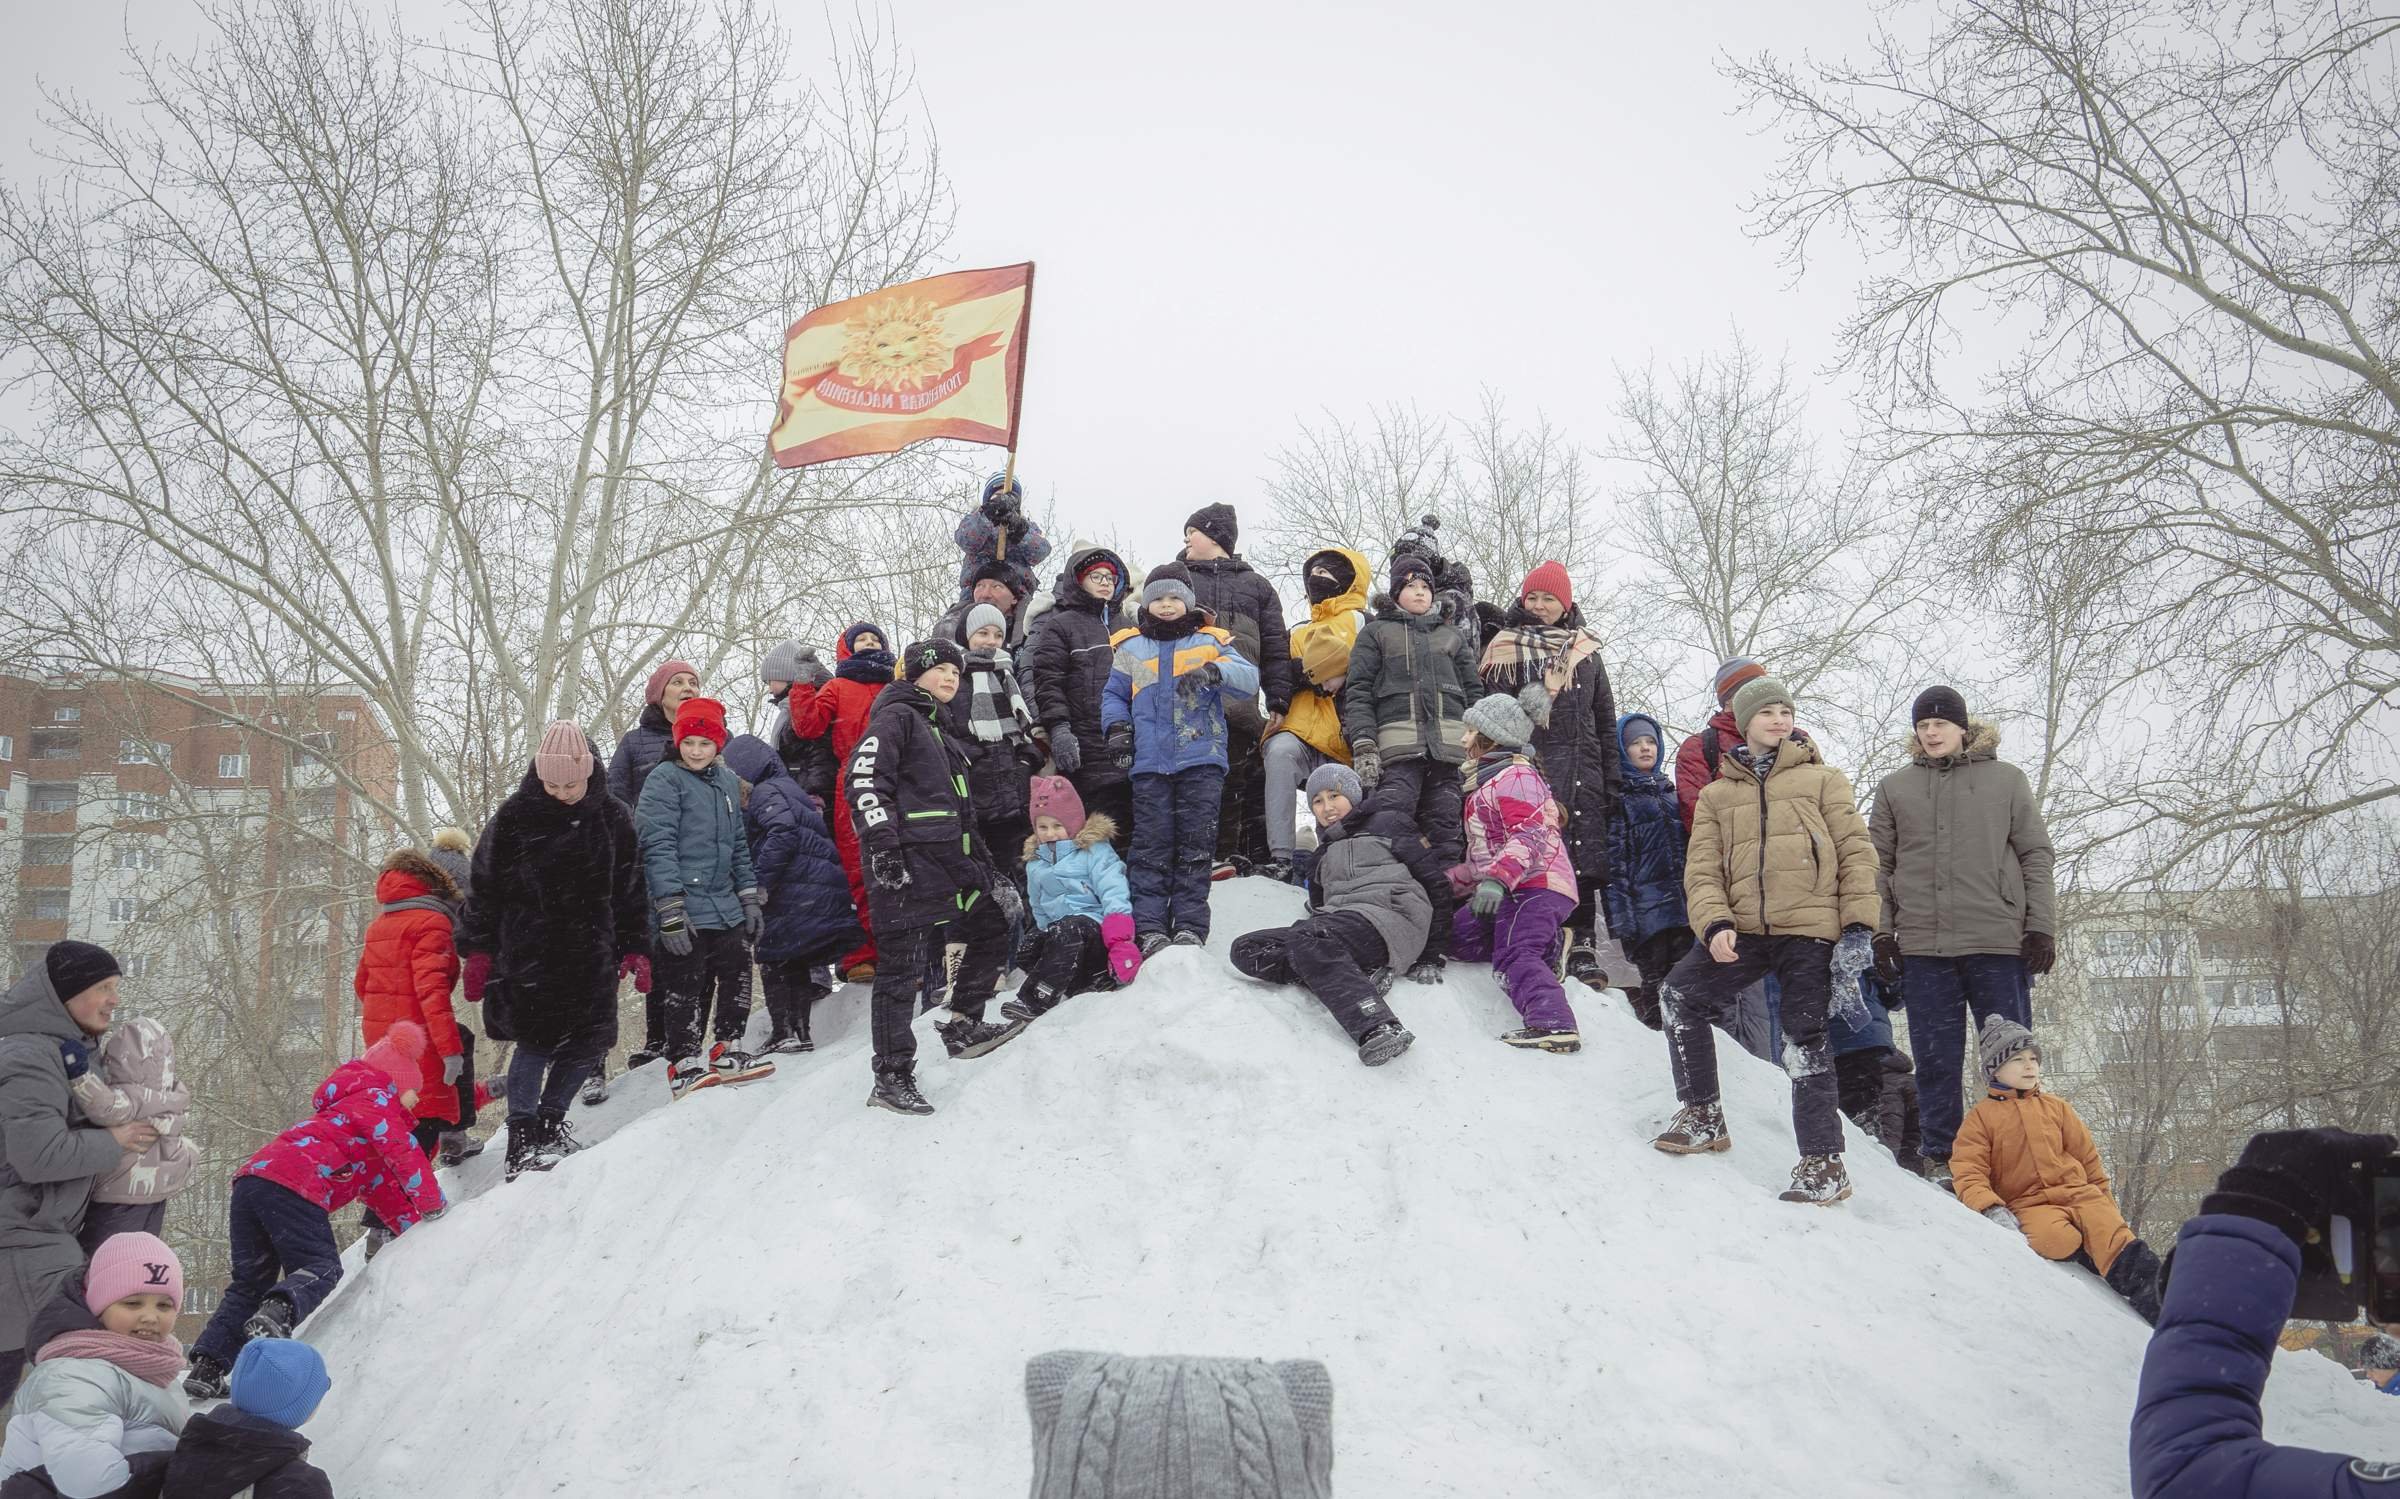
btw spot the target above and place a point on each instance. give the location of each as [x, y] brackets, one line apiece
[2039, 952]
[1000, 507]
[2292, 1179]
[1200, 678]
[1888, 962]
[1120, 745]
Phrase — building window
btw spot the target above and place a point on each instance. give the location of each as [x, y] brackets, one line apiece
[47, 905]
[124, 908]
[137, 856]
[50, 851]
[136, 965]
[316, 803]
[233, 767]
[8, 746]
[141, 806]
[51, 796]
[66, 715]
[145, 752]
[56, 744]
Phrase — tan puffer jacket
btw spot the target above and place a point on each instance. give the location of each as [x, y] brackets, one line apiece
[1790, 858]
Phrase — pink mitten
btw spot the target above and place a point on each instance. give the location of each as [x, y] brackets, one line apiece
[1124, 958]
[478, 972]
[1462, 879]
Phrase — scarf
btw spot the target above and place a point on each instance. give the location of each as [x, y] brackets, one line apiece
[1761, 766]
[867, 666]
[996, 710]
[1183, 626]
[1522, 654]
[160, 1363]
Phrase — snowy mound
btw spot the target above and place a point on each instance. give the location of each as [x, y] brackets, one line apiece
[774, 1289]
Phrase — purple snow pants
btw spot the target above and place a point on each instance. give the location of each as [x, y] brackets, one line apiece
[1520, 940]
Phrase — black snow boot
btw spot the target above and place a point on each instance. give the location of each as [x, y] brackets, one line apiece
[967, 1039]
[1818, 1179]
[2134, 1276]
[209, 1380]
[1383, 1043]
[273, 1319]
[525, 1152]
[897, 1091]
[1583, 965]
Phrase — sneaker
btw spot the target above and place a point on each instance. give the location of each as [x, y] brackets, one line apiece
[1153, 943]
[1818, 1179]
[1383, 1043]
[1189, 938]
[458, 1145]
[595, 1090]
[273, 1319]
[1696, 1129]
[733, 1066]
[209, 1380]
[1233, 866]
[1534, 1038]
[644, 1056]
[1583, 966]
[897, 1091]
[688, 1074]
[968, 1039]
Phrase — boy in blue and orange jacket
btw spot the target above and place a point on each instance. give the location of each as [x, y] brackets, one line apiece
[1163, 712]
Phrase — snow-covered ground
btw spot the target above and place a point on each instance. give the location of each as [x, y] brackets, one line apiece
[774, 1289]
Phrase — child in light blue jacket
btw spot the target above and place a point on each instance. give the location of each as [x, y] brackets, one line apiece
[1076, 893]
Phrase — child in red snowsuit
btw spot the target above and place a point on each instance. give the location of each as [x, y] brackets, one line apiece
[356, 1145]
[837, 712]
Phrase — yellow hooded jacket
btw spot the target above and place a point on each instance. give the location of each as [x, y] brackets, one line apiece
[1321, 650]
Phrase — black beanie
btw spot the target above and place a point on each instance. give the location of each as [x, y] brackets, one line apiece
[1409, 565]
[1217, 523]
[925, 655]
[1340, 577]
[1942, 703]
[76, 966]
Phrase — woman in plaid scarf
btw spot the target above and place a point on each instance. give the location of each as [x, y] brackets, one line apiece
[1545, 656]
[990, 718]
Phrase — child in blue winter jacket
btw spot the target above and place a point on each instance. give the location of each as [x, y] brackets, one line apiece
[1644, 896]
[1163, 711]
[1076, 895]
[808, 920]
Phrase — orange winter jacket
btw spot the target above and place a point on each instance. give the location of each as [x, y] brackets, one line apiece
[2026, 1150]
[405, 972]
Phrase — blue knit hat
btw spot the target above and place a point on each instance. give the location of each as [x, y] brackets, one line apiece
[279, 1380]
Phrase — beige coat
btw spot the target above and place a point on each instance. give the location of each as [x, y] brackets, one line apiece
[1790, 858]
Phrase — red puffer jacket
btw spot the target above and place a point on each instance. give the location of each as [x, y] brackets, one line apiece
[838, 711]
[357, 1145]
[405, 972]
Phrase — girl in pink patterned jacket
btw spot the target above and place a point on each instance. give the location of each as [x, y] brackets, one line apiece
[1518, 883]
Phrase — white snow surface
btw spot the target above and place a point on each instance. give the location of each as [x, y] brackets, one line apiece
[774, 1290]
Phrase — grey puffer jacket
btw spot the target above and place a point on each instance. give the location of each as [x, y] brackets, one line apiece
[49, 1154]
[694, 844]
[1962, 857]
[1410, 676]
[1380, 866]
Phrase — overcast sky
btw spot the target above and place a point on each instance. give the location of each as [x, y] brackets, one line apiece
[1249, 213]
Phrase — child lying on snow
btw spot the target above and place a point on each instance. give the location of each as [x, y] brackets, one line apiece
[100, 1405]
[2025, 1161]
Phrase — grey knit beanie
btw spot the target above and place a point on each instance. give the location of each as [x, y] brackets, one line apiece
[781, 664]
[1107, 1424]
[2002, 1038]
[1333, 775]
[1755, 697]
[1501, 719]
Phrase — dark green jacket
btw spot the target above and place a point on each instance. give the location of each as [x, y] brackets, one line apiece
[694, 844]
[1962, 856]
[1411, 679]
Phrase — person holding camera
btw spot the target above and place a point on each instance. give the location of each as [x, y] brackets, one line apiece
[2230, 1286]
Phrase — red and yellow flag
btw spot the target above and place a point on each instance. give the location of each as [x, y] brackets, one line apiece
[941, 357]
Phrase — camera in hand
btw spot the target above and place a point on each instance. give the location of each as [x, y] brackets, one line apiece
[2353, 1258]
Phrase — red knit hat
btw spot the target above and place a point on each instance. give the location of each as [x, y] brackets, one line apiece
[399, 1056]
[1054, 796]
[658, 679]
[1550, 578]
[701, 718]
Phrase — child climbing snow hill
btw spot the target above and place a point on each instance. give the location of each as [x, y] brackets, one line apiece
[1077, 896]
[100, 1409]
[1518, 880]
[133, 1077]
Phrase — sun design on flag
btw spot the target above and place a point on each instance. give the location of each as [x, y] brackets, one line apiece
[900, 342]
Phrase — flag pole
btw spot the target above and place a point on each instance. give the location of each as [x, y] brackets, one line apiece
[1008, 481]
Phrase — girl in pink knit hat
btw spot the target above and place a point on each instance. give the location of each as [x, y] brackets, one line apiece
[105, 1365]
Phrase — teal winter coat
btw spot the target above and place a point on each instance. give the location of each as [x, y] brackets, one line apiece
[1081, 876]
[694, 843]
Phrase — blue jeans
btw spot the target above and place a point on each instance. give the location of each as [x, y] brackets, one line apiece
[540, 1080]
[1174, 847]
[1941, 994]
[282, 1244]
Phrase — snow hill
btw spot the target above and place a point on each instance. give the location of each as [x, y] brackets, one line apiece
[775, 1290]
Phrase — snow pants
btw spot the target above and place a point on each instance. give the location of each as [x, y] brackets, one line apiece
[918, 960]
[1654, 956]
[2089, 1222]
[1240, 833]
[1520, 940]
[1174, 846]
[1289, 759]
[1879, 1093]
[1328, 954]
[1429, 794]
[282, 1246]
[715, 974]
[1948, 1000]
[854, 866]
[1700, 991]
[791, 989]
[1064, 959]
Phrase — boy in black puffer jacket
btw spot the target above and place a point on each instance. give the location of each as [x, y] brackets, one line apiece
[1411, 675]
[1068, 656]
[930, 878]
[1241, 602]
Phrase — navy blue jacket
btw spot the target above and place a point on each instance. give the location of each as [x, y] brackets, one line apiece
[1846, 1034]
[644, 749]
[2196, 1430]
[809, 914]
[1644, 893]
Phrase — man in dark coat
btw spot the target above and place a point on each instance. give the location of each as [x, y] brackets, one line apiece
[1244, 605]
[1067, 665]
[931, 880]
[809, 918]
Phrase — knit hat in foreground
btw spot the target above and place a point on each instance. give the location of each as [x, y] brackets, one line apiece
[279, 1380]
[657, 689]
[1334, 776]
[400, 1056]
[1756, 696]
[564, 757]
[1054, 796]
[1501, 719]
[76, 966]
[925, 655]
[1107, 1424]
[1731, 674]
[701, 718]
[132, 1265]
[2002, 1038]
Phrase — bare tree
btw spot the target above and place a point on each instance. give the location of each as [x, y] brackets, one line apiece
[2179, 215]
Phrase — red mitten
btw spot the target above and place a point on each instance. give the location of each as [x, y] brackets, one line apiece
[478, 972]
[1462, 879]
[636, 967]
[1124, 957]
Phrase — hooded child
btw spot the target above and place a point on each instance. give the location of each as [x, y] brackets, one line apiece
[1069, 652]
[133, 1078]
[1310, 733]
[1644, 898]
[1080, 904]
[837, 712]
[809, 918]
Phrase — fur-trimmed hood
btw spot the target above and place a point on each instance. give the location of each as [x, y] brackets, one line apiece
[1097, 828]
[1982, 743]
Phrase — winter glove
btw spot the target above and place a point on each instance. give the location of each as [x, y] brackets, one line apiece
[454, 1068]
[888, 869]
[812, 670]
[1124, 954]
[1065, 753]
[673, 935]
[1199, 679]
[635, 966]
[1028, 755]
[1000, 507]
[754, 915]
[2001, 1216]
[1852, 956]
[1888, 961]
[1120, 746]
[1425, 971]
[76, 1056]
[1485, 902]
[2291, 1179]
[1461, 878]
[2039, 953]
[1006, 896]
[1367, 761]
[477, 973]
